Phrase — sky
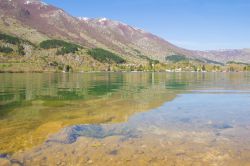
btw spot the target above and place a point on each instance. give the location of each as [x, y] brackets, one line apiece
[192, 24]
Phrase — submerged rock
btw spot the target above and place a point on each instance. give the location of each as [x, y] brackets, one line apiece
[3, 155]
[70, 135]
[113, 152]
[222, 126]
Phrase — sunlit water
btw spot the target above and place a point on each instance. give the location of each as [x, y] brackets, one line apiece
[125, 119]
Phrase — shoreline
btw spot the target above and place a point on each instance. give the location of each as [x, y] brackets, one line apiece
[10, 72]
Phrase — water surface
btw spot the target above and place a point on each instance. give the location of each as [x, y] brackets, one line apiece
[125, 118]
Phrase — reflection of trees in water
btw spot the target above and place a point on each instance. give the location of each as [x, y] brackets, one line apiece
[74, 86]
[18, 87]
[121, 95]
[25, 87]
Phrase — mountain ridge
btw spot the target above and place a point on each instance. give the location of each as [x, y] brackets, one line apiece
[37, 21]
[55, 22]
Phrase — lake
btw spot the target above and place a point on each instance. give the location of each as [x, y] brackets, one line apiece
[125, 119]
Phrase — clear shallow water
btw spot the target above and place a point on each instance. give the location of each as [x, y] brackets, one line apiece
[126, 118]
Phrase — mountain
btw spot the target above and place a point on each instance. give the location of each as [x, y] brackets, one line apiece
[224, 56]
[56, 23]
[36, 21]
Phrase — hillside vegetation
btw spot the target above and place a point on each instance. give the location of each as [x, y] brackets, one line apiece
[12, 44]
[176, 58]
[238, 63]
[105, 56]
[19, 55]
[65, 47]
[9, 39]
[6, 49]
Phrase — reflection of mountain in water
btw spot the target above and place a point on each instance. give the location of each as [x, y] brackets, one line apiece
[44, 103]
[56, 86]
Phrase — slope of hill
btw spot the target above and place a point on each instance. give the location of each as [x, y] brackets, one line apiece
[35, 21]
[55, 23]
[224, 56]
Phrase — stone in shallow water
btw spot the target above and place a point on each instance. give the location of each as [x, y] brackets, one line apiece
[185, 120]
[3, 155]
[222, 126]
[113, 152]
[70, 135]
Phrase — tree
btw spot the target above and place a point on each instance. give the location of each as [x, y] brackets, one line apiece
[105, 56]
[66, 68]
[21, 50]
[140, 68]
[231, 68]
[65, 47]
[6, 49]
[203, 68]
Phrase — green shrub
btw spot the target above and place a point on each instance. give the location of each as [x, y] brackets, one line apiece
[105, 56]
[6, 49]
[237, 63]
[154, 62]
[47, 44]
[247, 68]
[66, 50]
[21, 50]
[213, 62]
[9, 39]
[176, 58]
[65, 46]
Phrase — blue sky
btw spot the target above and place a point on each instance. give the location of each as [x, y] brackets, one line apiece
[192, 24]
